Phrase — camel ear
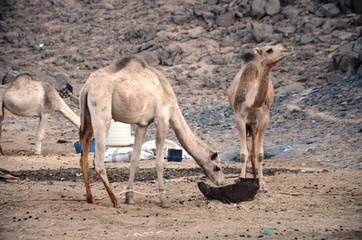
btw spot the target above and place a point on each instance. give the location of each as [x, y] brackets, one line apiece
[258, 51]
[214, 156]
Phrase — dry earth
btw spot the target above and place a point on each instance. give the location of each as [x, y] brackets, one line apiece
[313, 144]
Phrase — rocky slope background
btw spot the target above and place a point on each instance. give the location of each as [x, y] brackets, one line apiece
[199, 44]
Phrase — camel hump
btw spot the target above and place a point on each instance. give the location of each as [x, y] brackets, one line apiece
[248, 57]
[125, 61]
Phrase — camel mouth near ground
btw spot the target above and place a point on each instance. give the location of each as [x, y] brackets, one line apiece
[218, 181]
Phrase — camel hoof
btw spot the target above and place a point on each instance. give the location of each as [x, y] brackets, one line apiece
[91, 200]
[263, 191]
[117, 205]
[165, 204]
[129, 198]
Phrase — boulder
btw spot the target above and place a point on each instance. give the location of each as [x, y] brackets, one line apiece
[348, 57]
[181, 17]
[290, 12]
[11, 36]
[258, 9]
[272, 7]
[329, 10]
[10, 76]
[226, 20]
[262, 32]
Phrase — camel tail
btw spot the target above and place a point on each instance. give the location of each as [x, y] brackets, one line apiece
[85, 129]
[2, 93]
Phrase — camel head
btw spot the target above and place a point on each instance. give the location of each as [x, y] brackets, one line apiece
[213, 169]
[270, 55]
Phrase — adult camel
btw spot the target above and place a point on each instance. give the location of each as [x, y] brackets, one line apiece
[28, 98]
[251, 95]
[132, 92]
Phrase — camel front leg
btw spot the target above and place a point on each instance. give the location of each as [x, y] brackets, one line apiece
[40, 132]
[244, 153]
[1, 122]
[135, 160]
[100, 135]
[260, 152]
[162, 129]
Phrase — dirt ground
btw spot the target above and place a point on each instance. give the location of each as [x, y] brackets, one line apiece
[313, 144]
[306, 200]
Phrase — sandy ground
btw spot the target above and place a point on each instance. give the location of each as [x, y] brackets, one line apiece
[313, 175]
[306, 200]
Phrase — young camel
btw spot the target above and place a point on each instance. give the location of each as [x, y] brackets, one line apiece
[132, 92]
[28, 98]
[250, 95]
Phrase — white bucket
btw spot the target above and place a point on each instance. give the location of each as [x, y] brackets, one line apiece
[119, 134]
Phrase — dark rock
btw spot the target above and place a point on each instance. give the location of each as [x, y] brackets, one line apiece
[262, 32]
[10, 76]
[272, 7]
[330, 10]
[285, 28]
[357, 6]
[181, 17]
[258, 9]
[312, 140]
[290, 12]
[11, 36]
[226, 19]
[347, 57]
[307, 38]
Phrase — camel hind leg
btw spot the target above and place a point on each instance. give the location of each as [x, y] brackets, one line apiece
[101, 127]
[1, 122]
[85, 140]
[40, 132]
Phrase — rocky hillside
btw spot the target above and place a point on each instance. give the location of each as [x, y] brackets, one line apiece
[199, 45]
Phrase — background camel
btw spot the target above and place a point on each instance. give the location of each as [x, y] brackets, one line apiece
[132, 92]
[250, 95]
[28, 98]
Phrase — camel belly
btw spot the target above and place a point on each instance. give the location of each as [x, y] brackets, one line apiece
[136, 113]
[25, 107]
[253, 115]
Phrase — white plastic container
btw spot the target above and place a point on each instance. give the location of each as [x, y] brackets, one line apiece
[119, 134]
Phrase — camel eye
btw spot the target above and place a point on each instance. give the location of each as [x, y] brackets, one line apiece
[270, 50]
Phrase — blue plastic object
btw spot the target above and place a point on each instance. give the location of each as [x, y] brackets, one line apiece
[78, 146]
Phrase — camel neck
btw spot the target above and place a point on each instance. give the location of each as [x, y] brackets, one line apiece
[188, 140]
[263, 88]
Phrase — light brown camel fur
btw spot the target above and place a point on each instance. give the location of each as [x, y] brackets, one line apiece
[28, 98]
[250, 95]
[132, 92]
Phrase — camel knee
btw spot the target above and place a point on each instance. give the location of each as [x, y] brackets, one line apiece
[260, 157]
[243, 158]
[101, 171]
